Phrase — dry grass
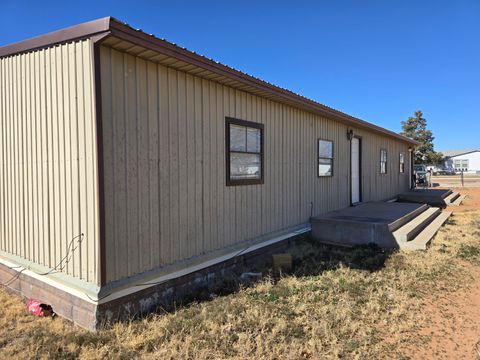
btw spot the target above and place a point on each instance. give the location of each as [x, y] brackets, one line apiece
[359, 303]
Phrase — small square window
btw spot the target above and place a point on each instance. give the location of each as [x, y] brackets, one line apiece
[325, 158]
[244, 140]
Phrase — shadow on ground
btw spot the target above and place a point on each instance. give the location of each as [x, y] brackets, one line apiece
[313, 258]
[309, 258]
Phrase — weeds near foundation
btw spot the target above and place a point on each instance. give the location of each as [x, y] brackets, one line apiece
[362, 302]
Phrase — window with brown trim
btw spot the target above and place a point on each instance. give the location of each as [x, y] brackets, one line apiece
[383, 161]
[244, 152]
[402, 163]
[325, 157]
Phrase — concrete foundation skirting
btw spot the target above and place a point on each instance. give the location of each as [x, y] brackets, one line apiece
[101, 313]
[65, 303]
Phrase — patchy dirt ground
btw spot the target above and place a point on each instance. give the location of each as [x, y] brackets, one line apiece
[472, 202]
[469, 180]
[453, 327]
[360, 303]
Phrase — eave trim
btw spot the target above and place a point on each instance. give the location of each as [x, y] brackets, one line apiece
[113, 27]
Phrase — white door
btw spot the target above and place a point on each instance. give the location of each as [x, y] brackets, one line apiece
[355, 170]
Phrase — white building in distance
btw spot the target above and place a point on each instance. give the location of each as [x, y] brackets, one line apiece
[466, 160]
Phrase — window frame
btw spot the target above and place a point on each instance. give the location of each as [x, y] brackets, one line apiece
[401, 168]
[461, 163]
[381, 161]
[457, 164]
[235, 182]
[318, 158]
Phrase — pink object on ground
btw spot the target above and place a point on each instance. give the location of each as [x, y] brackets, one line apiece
[37, 308]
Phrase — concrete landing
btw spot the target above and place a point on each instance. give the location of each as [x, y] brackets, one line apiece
[367, 223]
[433, 197]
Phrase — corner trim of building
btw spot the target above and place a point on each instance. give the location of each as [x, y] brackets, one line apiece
[101, 259]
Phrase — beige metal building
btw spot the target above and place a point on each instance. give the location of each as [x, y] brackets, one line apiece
[129, 162]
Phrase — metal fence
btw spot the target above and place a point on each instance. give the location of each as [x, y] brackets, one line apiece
[461, 179]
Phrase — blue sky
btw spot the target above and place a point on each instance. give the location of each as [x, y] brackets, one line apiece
[377, 60]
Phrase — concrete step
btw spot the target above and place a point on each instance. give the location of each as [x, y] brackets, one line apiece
[459, 200]
[398, 223]
[421, 240]
[451, 198]
[408, 231]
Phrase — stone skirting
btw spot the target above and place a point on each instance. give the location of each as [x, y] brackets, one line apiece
[94, 315]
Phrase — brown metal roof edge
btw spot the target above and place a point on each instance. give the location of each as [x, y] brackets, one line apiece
[126, 32]
[71, 33]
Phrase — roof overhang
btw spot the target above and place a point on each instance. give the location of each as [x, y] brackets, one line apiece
[72, 33]
[113, 33]
[460, 154]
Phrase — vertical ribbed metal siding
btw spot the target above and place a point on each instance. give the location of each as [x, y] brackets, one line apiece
[376, 186]
[48, 184]
[164, 156]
